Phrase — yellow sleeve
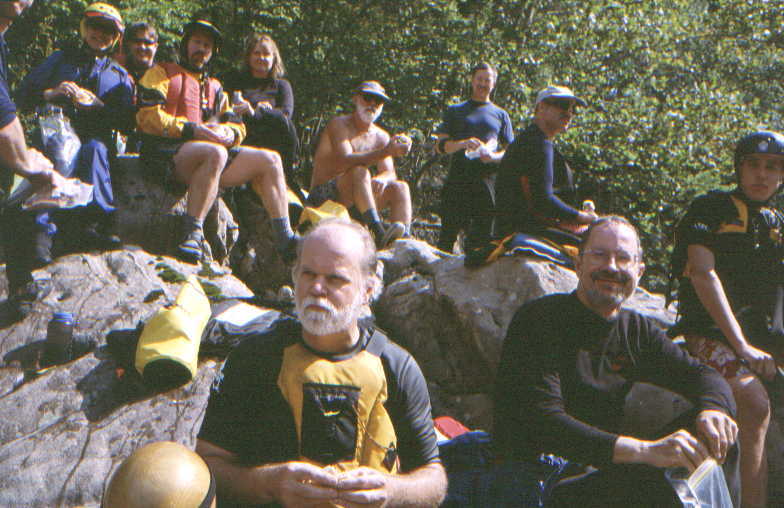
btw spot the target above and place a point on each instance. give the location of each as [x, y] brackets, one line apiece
[151, 117]
[231, 119]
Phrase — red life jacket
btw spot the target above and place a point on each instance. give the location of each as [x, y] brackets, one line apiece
[186, 98]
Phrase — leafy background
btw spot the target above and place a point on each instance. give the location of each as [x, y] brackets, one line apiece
[672, 84]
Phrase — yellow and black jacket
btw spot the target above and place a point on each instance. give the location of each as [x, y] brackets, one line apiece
[277, 400]
[746, 241]
[173, 100]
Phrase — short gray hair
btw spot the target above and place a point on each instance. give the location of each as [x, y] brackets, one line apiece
[611, 219]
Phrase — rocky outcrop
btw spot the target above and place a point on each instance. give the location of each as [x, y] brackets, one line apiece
[65, 429]
[149, 208]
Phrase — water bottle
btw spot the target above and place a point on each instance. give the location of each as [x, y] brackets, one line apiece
[59, 339]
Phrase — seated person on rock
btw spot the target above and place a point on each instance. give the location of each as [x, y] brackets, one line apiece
[324, 409]
[349, 145]
[96, 93]
[535, 189]
[265, 100]
[139, 46]
[16, 158]
[728, 259]
[567, 364]
[192, 135]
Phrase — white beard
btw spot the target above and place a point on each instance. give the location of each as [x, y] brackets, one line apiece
[369, 116]
[329, 319]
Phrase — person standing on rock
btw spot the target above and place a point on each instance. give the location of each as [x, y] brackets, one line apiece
[728, 259]
[193, 136]
[347, 148]
[475, 133]
[567, 364]
[324, 409]
[536, 190]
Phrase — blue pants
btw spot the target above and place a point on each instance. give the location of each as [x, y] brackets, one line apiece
[92, 166]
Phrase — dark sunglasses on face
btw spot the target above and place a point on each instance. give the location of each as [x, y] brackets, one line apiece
[145, 42]
[372, 99]
[563, 104]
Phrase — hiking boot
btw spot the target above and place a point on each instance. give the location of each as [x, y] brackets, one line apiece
[393, 232]
[22, 299]
[191, 249]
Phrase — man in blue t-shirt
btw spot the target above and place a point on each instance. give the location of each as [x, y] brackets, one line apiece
[17, 158]
[475, 133]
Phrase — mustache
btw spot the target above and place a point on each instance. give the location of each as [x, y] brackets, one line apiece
[621, 277]
[319, 302]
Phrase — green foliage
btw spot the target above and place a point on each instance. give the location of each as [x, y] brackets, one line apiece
[672, 84]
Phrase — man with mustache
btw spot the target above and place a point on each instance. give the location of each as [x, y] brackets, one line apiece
[475, 132]
[192, 136]
[347, 148]
[325, 410]
[139, 46]
[567, 364]
[728, 260]
[536, 190]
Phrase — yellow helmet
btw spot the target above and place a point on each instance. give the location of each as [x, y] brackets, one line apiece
[100, 10]
[158, 475]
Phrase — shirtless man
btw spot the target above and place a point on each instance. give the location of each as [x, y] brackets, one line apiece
[348, 147]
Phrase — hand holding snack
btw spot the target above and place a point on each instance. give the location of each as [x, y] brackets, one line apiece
[400, 145]
[85, 99]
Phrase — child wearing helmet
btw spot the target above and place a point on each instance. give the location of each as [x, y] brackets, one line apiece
[96, 94]
[728, 262]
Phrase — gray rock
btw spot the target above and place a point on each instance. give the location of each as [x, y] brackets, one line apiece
[148, 212]
[65, 429]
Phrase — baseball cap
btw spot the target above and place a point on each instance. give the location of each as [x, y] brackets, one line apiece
[374, 88]
[558, 92]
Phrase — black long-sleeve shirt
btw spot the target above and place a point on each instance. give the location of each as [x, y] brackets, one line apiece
[565, 372]
[535, 186]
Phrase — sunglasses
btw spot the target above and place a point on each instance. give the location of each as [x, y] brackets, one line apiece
[371, 98]
[562, 103]
[146, 42]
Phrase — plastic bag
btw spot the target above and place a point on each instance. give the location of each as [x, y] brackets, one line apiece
[59, 139]
[706, 487]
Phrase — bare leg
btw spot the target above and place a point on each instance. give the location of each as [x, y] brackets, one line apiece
[199, 164]
[753, 419]
[397, 198]
[266, 169]
[354, 189]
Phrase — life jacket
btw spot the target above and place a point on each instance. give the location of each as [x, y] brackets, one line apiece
[186, 97]
[338, 407]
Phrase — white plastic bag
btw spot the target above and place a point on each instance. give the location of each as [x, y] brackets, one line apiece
[706, 487]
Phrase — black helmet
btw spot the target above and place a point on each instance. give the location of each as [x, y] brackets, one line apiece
[768, 142]
[205, 25]
[187, 32]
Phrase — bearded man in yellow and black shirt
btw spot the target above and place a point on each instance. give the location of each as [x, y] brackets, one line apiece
[324, 411]
[192, 134]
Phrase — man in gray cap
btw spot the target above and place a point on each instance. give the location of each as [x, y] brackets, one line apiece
[348, 147]
[536, 193]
